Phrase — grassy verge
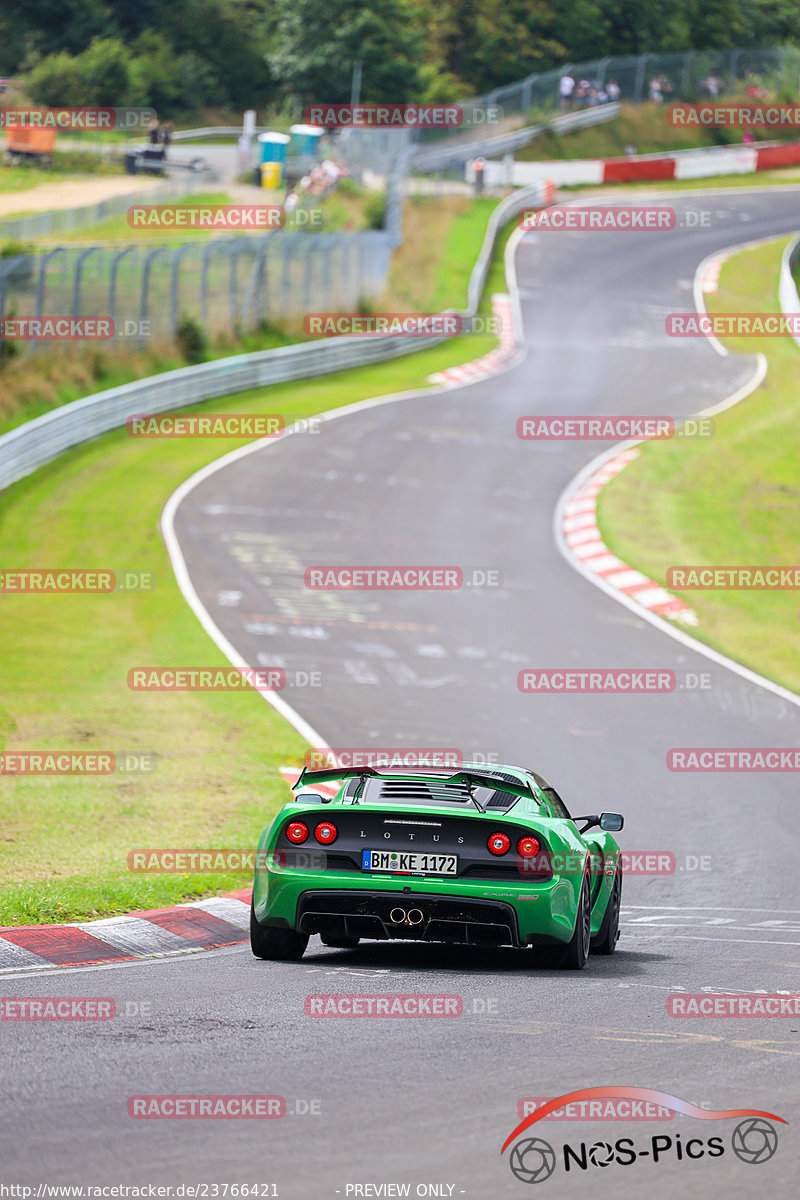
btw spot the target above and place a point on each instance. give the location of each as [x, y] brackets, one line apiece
[732, 498]
[644, 126]
[65, 163]
[64, 841]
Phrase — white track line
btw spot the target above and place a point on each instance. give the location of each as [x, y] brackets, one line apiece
[581, 479]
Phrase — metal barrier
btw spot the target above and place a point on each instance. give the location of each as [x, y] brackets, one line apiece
[39, 441]
[445, 155]
[787, 288]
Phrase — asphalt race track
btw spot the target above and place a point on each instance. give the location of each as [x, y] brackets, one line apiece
[443, 479]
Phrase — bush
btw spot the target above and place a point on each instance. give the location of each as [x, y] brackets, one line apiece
[106, 71]
[57, 81]
[375, 210]
[192, 340]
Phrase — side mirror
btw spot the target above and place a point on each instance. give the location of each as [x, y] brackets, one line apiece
[611, 822]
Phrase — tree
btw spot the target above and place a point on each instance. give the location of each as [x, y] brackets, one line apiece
[316, 43]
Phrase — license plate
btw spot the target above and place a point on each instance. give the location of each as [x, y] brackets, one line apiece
[409, 862]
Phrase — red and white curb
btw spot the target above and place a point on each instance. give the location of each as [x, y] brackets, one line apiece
[588, 550]
[709, 278]
[488, 364]
[201, 925]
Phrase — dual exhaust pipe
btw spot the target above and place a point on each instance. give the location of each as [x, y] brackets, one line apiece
[414, 916]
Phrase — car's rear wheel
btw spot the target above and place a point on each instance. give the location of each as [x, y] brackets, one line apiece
[282, 944]
[608, 934]
[339, 943]
[573, 956]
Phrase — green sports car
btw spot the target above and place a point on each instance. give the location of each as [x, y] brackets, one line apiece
[484, 857]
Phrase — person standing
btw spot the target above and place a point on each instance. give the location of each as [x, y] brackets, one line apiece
[566, 86]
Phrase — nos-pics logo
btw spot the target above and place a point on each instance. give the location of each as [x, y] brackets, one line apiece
[533, 1160]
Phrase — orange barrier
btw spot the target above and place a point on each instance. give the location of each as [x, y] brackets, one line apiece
[30, 141]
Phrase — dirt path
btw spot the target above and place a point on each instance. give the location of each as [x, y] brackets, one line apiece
[72, 193]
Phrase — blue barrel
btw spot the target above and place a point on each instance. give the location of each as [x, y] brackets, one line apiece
[273, 147]
[305, 141]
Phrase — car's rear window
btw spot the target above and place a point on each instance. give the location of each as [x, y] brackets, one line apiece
[432, 789]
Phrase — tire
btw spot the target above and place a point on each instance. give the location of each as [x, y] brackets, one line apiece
[284, 945]
[608, 935]
[339, 943]
[574, 955]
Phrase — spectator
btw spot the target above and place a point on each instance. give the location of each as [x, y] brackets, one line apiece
[166, 136]
[656, 95]
[612, 88]
[291, 202]
[153, 131]
[478, 169]
[566, 86]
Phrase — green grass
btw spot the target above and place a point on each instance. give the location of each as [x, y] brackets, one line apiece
[116, 228]
[729, 499]
[64, 842]
[644, 126]
[65, 163]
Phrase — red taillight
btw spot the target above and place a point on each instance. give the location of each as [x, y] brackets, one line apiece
[527, 847]
[325, 833]
[296, 832]
[498, 843]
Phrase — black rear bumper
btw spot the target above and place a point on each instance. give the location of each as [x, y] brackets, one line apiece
[376, 915]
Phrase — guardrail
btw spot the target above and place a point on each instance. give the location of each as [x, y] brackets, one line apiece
[39, 441]
[787, 289]
[449, 154]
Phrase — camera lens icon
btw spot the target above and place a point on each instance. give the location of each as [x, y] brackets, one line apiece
[754, 1140]
[533, 1160]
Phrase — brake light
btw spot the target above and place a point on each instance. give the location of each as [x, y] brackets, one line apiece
[527, 847]
[325, 833]
[498, 844]
[296, 832]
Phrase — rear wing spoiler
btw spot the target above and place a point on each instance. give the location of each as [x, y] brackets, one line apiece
[470, 779]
